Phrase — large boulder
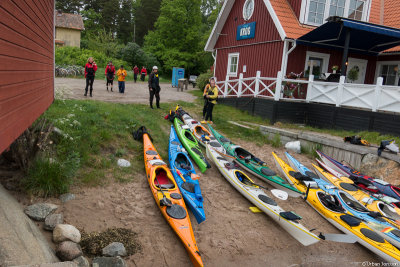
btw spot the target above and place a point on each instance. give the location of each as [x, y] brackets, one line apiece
[114, 249]
[21, 241]
[65, 232]
[40, 211]
[68, 250]
[109, 262]
[52, 221]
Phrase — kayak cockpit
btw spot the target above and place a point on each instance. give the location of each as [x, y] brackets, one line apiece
[388, 211]
[247, 156]
[189, 136]
[182, 162]
[330, 202]
[162, 179]
[243, 178]
[352, 203]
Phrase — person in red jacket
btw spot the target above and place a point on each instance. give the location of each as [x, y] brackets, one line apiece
[135, 73]
[90, 70]
[143, 73]
[110, 74]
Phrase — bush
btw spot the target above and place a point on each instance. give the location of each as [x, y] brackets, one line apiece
[51, 177]
[134, 54]
[203, 79]
[76, 56]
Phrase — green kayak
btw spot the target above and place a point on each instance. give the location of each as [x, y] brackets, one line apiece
[191, 145]
[254, 165]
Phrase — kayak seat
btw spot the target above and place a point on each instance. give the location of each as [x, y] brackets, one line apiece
[268, 172]
[176, 196]
[289, 215]
[215, 144]
[350, 220]
[312, 175]
[267, 200]
[163, 180]
[198, 152]
[151, 152]
[348, 187]
[330, 202]
[243, 178]
[224, 140]
[299, 176]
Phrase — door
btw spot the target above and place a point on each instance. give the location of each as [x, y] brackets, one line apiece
[358, 66]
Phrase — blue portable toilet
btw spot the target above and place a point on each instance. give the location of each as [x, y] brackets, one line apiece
[177, 73]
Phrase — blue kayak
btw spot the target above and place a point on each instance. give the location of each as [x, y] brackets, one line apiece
[185, 176]
[349, 203]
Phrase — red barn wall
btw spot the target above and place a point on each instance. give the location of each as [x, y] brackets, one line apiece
[263, 52]
[27, 64]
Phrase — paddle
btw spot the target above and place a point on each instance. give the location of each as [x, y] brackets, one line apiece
[164, 201]
[180, 174]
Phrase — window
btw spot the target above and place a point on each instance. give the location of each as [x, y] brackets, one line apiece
[316, 64]
[389, 71]
[248, 9]
[315, 12]
[233, 62]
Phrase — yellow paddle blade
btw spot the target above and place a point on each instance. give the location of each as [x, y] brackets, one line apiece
[255, 210]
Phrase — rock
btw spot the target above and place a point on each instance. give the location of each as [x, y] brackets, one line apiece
[52, 220]
[67, 197]
[114, 249]
[64, 232]
[40, 211]
[109, 262]
[68, 250]
[369, 159]
[82, 261]
[123, 163]
[55, 264]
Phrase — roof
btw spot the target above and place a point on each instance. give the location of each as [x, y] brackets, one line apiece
[69, 21]
[289, 27]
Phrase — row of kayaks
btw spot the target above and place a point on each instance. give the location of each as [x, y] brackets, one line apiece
[366, 212]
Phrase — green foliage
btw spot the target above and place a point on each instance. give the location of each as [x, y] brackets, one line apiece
[136, 56]
[104, 43]
[146, 14]
[77, 56]
[311, 150]
[276, 141]
[176, 38]
[203, 79]
[125, 22]
[69, 6]
[51, 177]
[352, 75]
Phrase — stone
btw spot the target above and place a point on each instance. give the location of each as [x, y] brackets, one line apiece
[82, 261]
[52, 220]
[109, 262]
[123, 163]
[40, 211]
[369, 159]
[68, 250]
[55, 264]
[67, 197]
[64, 232]
[114, 249]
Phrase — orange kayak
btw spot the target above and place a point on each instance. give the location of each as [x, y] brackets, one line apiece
[168, 197]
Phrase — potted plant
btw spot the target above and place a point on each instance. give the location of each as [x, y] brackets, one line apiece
[352, 75]
[335, 68]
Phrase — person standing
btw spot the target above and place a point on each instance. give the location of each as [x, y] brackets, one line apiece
[135, 73]
[205, 98]
[121, 73]
[154, 87]
[90, 71]
[110, 75]
[143, 73]
[212, 96]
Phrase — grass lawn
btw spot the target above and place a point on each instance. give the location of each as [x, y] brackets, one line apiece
[100, 75]
[96, 134]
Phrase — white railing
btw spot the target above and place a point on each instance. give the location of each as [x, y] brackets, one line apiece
[364, 96]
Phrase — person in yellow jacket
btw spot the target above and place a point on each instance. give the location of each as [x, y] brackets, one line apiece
[205, 99]
[121, 73]
[212, 96]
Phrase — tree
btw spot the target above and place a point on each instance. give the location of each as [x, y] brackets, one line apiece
[146, 14]
[134, 55]
[176, 38]
[69, 6]
[125, 22]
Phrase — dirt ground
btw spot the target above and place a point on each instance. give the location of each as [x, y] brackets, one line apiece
[230, 236]
[134, 92]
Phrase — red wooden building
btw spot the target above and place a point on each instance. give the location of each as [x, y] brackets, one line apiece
[276, 35]
[27, 64]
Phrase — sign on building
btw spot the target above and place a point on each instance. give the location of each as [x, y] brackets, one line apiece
[246, 31]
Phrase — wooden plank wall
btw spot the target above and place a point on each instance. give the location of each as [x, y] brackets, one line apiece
[26, 64]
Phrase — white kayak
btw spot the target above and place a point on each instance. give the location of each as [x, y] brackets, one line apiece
[257, 196]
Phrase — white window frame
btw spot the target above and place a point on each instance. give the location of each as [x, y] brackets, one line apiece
[252, 12]
[305, 7]
[379, 65]
[325, 60]
[228, 70]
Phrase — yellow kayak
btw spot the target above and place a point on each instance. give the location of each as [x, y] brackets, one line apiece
[371, 203]
[330, 208]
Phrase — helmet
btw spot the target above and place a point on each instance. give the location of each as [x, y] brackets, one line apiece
[155, 68]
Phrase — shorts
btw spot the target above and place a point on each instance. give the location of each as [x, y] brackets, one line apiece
[109, 81]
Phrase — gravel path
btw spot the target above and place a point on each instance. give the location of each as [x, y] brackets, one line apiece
[134, 92]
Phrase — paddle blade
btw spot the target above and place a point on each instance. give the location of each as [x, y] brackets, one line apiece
[341, 238]
[194, 176]
[255, 209]
[282, 195]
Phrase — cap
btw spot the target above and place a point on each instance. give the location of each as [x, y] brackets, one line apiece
[155, 68]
